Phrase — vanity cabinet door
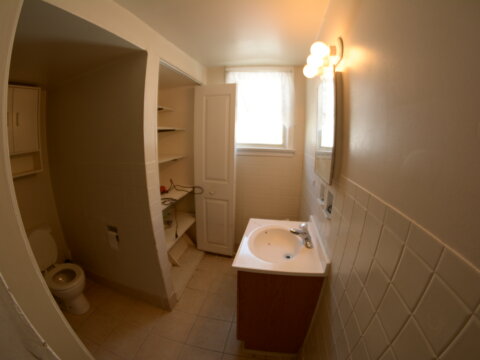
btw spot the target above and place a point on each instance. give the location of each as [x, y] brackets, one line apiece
[274, 311]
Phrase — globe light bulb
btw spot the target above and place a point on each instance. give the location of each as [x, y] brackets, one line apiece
[314, 60]
[310, 71]
[320, 49]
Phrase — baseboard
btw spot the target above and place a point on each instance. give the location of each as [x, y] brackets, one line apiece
[163, 303]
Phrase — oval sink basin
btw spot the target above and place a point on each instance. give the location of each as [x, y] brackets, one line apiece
[274, 244]
[268, 246]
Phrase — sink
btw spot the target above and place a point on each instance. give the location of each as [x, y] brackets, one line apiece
[274, 244]
[268, 246]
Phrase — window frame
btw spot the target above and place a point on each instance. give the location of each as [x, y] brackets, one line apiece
[286, 148]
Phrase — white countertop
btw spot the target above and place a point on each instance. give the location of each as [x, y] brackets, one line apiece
[307, 262]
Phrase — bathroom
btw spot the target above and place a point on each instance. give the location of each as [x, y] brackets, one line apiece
[391, 162]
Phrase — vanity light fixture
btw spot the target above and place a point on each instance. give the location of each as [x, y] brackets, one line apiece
[321, 56]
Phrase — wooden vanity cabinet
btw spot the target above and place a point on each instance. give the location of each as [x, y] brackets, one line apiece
[274, 311]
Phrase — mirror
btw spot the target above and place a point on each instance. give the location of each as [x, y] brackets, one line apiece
[325, 133]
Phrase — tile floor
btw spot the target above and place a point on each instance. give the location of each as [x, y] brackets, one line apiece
[201, 327]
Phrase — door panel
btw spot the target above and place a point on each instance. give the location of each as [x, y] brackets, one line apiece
[216, 138]
[216, 212]
[215, 167]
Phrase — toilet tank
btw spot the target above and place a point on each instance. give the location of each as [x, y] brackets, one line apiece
[44, 247]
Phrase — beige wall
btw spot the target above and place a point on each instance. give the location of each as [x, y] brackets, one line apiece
[269, 187]
[216, 75]
[35, 195]
[16, 261]
[95, 132]
[17, 264]
[404, 236]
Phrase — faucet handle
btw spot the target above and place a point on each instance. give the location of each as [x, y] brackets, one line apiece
[304, 227]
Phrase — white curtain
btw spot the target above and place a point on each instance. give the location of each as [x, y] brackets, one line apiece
[264, 104]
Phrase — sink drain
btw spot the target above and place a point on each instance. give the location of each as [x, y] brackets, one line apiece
[287, 256]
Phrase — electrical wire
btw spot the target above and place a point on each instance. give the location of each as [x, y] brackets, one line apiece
[196, 190]
[168, 201]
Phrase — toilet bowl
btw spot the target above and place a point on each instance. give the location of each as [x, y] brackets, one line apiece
[65, 281]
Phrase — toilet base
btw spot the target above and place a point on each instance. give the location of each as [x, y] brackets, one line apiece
[78, 305]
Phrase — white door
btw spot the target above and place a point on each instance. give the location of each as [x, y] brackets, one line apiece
[214, 152]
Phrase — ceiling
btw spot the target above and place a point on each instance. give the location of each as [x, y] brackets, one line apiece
[51, 46]
[235, 32]
[169, 77]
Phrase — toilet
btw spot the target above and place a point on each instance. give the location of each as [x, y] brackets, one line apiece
[65, 281]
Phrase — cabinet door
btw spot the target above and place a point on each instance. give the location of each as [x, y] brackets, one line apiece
[215, 167]
[25, 120]
[9, 119]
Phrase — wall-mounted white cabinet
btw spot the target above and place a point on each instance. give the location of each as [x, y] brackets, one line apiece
[23, 119]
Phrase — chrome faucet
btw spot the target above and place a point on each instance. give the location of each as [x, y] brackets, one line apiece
[304, 234]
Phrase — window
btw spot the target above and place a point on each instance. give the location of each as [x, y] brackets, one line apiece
[264, 106]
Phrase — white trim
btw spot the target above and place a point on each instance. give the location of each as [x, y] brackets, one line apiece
[259, 68]
[252, 151]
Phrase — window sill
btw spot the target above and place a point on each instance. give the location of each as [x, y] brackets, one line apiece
[264, 152]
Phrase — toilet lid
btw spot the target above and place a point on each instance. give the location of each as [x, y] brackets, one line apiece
[43, 247]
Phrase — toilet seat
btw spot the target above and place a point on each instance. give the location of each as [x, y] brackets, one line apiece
[72, 276]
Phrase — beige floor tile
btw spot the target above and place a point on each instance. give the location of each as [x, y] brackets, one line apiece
[219, 265]
[141, 313]
[234, 357]
[98, 294]
[159, 348]
[117, 306]
[280, 357]
[103, 354]
[194, 353]
[97, 327]
[209, 334]
[90, 345]
[224, 265]
[234, 346]
[76, 321]
[219, 306]
[202, 280]
[126, 339]
[174, 325]
[191, 301]
[226, 284]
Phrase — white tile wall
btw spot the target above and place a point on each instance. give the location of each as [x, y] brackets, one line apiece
[394, 292]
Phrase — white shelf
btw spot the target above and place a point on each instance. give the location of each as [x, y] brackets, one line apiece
[162, 159]
[184, 221]
[26, 173]
[174, 194]
[161, 108]
[169, 128]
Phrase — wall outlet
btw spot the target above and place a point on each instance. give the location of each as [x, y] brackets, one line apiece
[113, 238]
